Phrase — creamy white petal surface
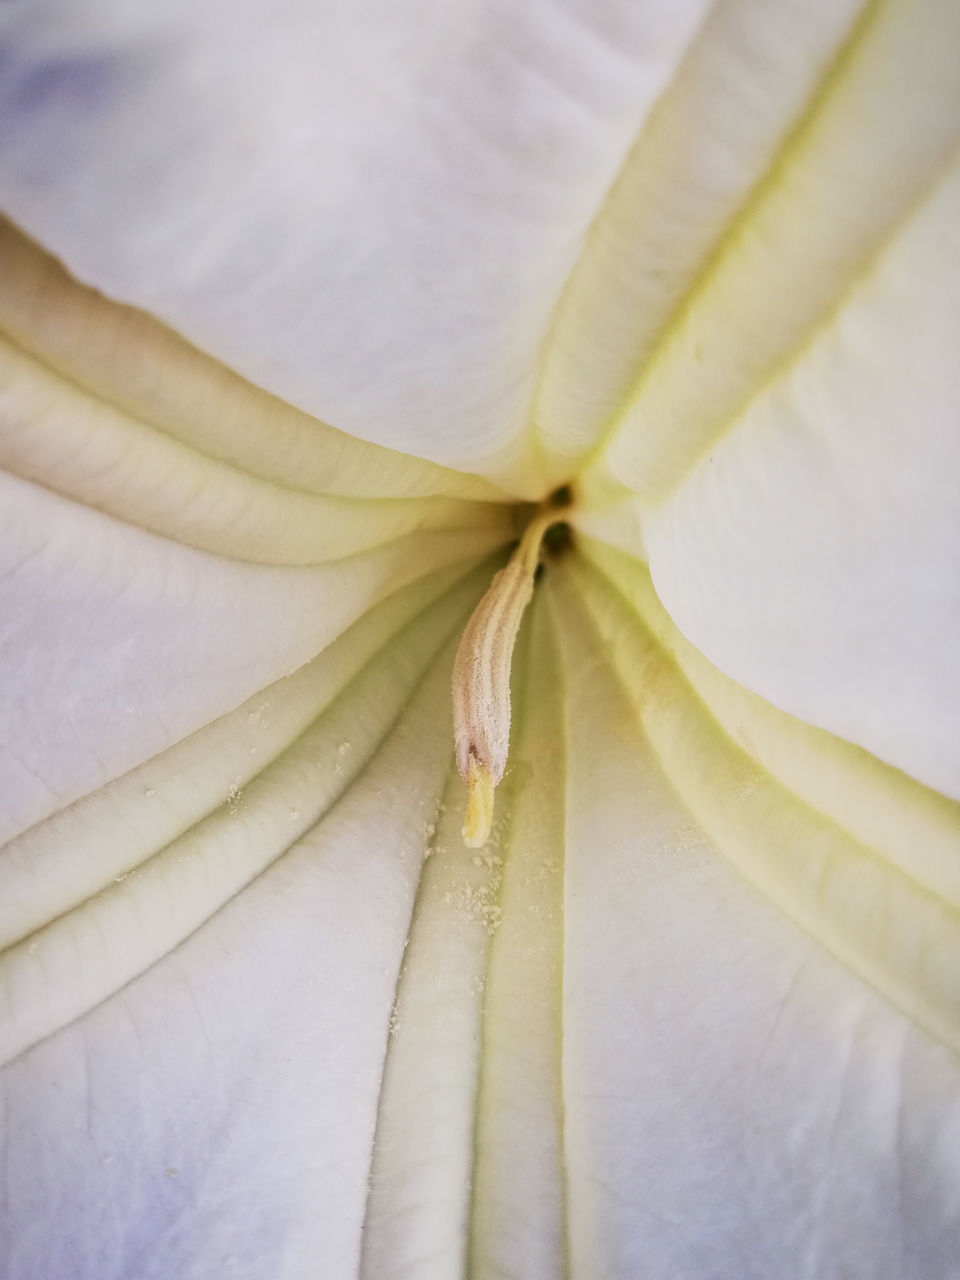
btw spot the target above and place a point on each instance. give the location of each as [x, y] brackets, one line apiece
[334, 287]
[216, 1116]
[116, 644]
[736, 1104]
[368, 209]
[867, 549]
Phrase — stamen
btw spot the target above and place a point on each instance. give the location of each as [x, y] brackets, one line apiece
[481, 678]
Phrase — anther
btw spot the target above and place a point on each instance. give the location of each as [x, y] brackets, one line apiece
[481, 678]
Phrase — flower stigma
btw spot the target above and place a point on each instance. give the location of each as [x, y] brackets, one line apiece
[481, 672]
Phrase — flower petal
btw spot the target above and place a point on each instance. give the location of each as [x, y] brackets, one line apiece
[76, 445]
[215, 1116]
[744, 92]
[880, 131]
[125, 359]
[913, 828]
[886, 925]
[828, 511]
[116, 644]
[196, 795]
[468, 1163]
[601, 1052]
[735, 1103]
[370, 210]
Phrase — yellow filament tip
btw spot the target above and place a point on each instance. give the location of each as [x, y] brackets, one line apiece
[479, 816]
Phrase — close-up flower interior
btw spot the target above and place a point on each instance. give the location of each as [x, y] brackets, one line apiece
[479, 598]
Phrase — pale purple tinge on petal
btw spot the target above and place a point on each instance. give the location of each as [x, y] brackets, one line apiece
[694, 1009]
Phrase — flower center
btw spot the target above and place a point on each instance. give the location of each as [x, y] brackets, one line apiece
[481, 669]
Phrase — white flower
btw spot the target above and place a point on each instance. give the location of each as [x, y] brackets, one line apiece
[360, 282]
